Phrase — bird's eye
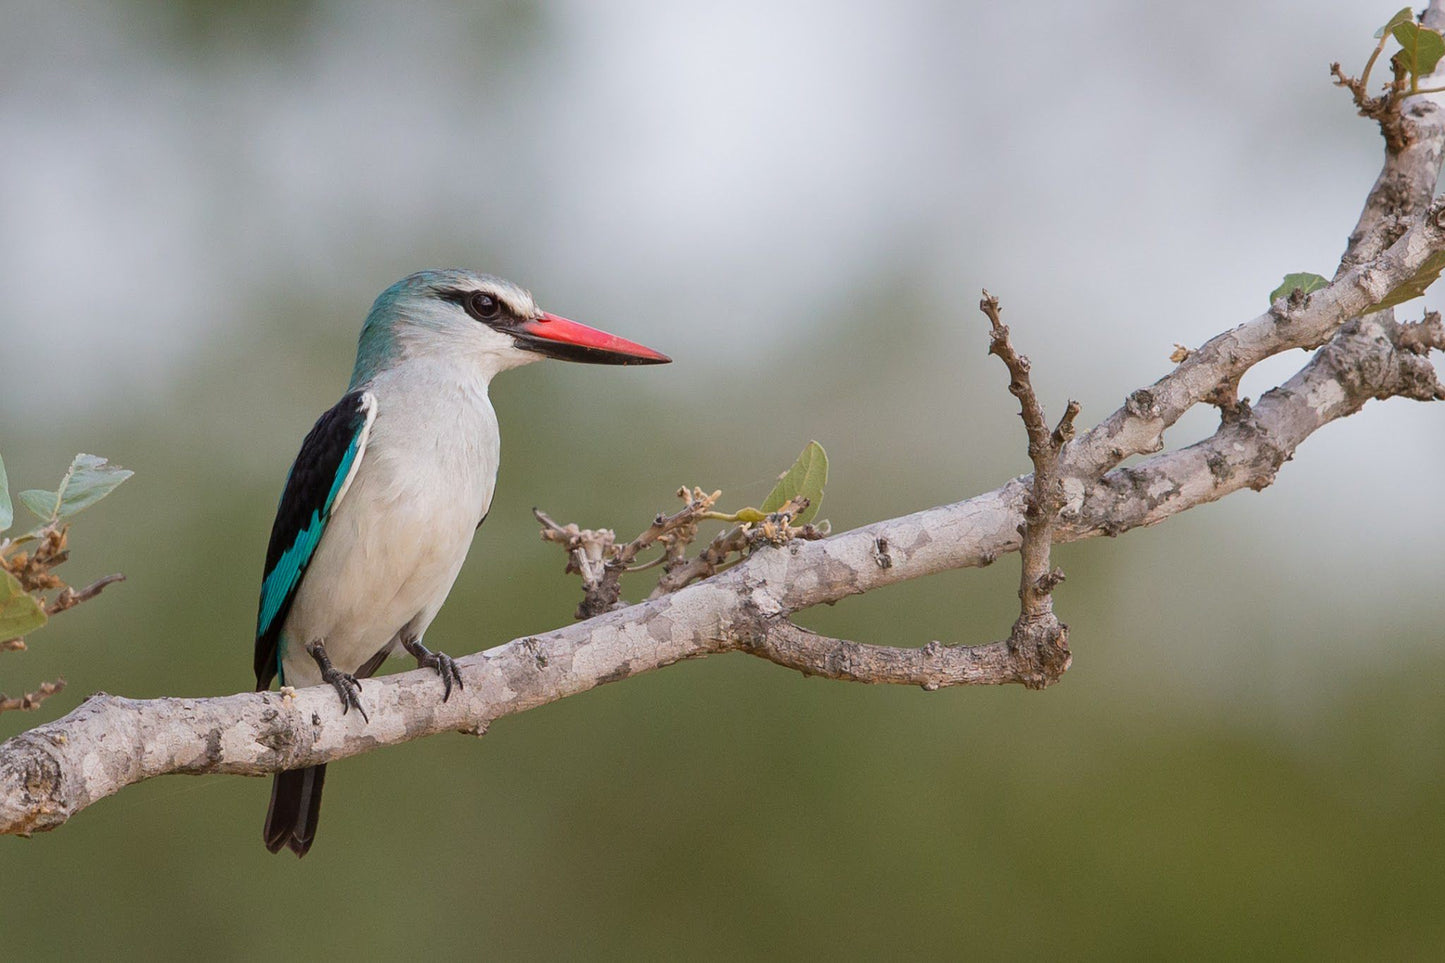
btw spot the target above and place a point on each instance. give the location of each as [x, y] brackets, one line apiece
[483, 306]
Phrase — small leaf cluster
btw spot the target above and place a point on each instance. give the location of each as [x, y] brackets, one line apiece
[27, 561]
[1304, 282]
[88, 479]
[1301, 285]
[805, 479]
[1420, 47]
[1420, 53]
[786, 514]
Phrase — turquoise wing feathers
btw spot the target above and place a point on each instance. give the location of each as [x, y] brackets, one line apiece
[329, 459]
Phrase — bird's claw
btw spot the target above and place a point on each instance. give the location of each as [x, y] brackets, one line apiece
[445, 665]
[347, 686]
[450, 672]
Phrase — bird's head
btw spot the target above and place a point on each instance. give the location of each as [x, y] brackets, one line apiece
[482, 320]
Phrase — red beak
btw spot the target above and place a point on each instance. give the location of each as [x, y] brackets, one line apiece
[559, 338]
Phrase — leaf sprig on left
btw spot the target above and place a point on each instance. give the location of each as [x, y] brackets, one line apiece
[30, 591]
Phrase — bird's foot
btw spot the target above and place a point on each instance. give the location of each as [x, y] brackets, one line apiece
[346, 685]
[445, 665]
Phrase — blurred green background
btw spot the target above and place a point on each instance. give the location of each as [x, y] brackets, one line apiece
[799, 203]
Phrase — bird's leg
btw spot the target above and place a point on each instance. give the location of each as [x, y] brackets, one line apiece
[445, 665]
[345, 684]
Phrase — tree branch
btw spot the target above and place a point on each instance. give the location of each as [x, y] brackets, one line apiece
[1078, 490]
[931, 667]
[51, 772]
[1138, 426]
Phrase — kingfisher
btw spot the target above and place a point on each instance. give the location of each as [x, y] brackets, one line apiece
[380, 506]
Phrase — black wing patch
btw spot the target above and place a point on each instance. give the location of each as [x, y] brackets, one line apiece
[317, 480]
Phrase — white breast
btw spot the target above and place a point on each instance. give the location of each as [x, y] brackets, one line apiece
[396, 542]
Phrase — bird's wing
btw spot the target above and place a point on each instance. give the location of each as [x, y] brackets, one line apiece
[322, 473]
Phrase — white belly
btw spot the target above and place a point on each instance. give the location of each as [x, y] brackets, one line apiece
[399, 536]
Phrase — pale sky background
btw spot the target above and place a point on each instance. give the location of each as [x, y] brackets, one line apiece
[736, 168]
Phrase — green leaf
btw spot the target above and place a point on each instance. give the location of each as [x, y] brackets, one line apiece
[1428, 274]
[1304, 281]
[20, 612]
[807, 477]
[89, 479]
[749, 514]
[7, 508]
[1406, 15]
[1420, 47]
[43, 505]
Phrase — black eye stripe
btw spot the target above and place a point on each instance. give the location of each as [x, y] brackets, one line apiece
[483, 306]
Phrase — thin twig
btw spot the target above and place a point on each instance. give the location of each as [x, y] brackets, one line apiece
[1038, 637]
[31, 700]
[69, 597]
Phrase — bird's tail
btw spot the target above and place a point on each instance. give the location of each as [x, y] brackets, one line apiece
[295, 806]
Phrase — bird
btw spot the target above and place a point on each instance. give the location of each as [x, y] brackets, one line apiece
[379, 508]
